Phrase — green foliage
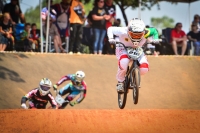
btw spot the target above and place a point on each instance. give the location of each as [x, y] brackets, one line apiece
[124, 4]
[32, 15]
[88, 7]
[84, 49]
[161, 23]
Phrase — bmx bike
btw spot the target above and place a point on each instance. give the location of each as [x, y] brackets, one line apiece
[59, 100]
[132, 77]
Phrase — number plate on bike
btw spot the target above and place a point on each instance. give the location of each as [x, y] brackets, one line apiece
[59, 99]
[134, 53]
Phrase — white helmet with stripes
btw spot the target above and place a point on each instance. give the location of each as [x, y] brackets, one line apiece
[136, 30]
[80, 75]
[45, 86]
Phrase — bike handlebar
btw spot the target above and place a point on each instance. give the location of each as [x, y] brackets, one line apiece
[120, 43]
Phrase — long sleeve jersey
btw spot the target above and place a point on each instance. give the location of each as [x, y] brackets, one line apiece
[153, 34]
[121, 33]
[35, 97]
[80, 87]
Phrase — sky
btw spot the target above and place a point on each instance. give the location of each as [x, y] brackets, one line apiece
[179, 12]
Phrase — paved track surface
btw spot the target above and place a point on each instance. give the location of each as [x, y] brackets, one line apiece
[168, 102]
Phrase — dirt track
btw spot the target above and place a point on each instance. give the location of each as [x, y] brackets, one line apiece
[171, 85]
[100, 121]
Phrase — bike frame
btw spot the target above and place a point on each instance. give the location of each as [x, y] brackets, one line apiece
[131, 78]
[59, 100]
[132, 68]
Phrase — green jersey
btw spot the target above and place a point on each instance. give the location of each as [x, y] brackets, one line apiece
[151, 32]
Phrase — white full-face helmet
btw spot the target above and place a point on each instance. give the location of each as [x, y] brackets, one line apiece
[45, 86]
[136, 30]
[80, 75]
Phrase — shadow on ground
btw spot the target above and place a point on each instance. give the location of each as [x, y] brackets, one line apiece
[9, 74]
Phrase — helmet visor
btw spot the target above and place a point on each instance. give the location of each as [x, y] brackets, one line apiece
[136, 36]
[45, 88]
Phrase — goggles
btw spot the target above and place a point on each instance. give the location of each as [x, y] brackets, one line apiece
[45, 88]
[136, 36]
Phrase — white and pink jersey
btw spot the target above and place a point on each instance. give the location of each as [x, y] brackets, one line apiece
[121, 53]
[121, 33]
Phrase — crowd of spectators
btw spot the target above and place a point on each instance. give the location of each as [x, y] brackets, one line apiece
[179, 38]
[67, 19]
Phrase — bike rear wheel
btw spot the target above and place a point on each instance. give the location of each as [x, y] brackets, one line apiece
[135, 82]
[123, 96]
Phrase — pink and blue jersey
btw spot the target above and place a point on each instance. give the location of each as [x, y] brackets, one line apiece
[76, 88]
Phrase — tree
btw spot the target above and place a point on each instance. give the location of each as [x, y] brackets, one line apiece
[163, 22]
[124, 4]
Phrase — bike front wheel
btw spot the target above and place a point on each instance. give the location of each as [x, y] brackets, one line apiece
[135, 82]
[122, 96]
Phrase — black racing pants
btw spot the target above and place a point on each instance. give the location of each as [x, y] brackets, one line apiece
[76, 33]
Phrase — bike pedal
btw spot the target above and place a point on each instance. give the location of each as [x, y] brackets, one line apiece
[131, 87]
[120, 92]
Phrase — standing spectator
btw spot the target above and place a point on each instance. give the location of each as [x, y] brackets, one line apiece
[110, 7]
[13, 8]
[35, 36]
[196, 21]
[178, 38]
[194, 36]
[45, 12]
[6, 29]
[88, 36]
[99, 16]
[54, 34]
[62, 17]
[77, 20]
[89, 19]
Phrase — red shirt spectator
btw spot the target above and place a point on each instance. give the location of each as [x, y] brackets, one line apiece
[178, 38]
[177, 34]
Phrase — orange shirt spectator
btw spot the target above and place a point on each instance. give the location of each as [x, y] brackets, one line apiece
[77, 12]
[77, 19]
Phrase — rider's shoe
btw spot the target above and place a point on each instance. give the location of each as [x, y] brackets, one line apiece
[79, 53]
[120, 87]
[70, 52]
